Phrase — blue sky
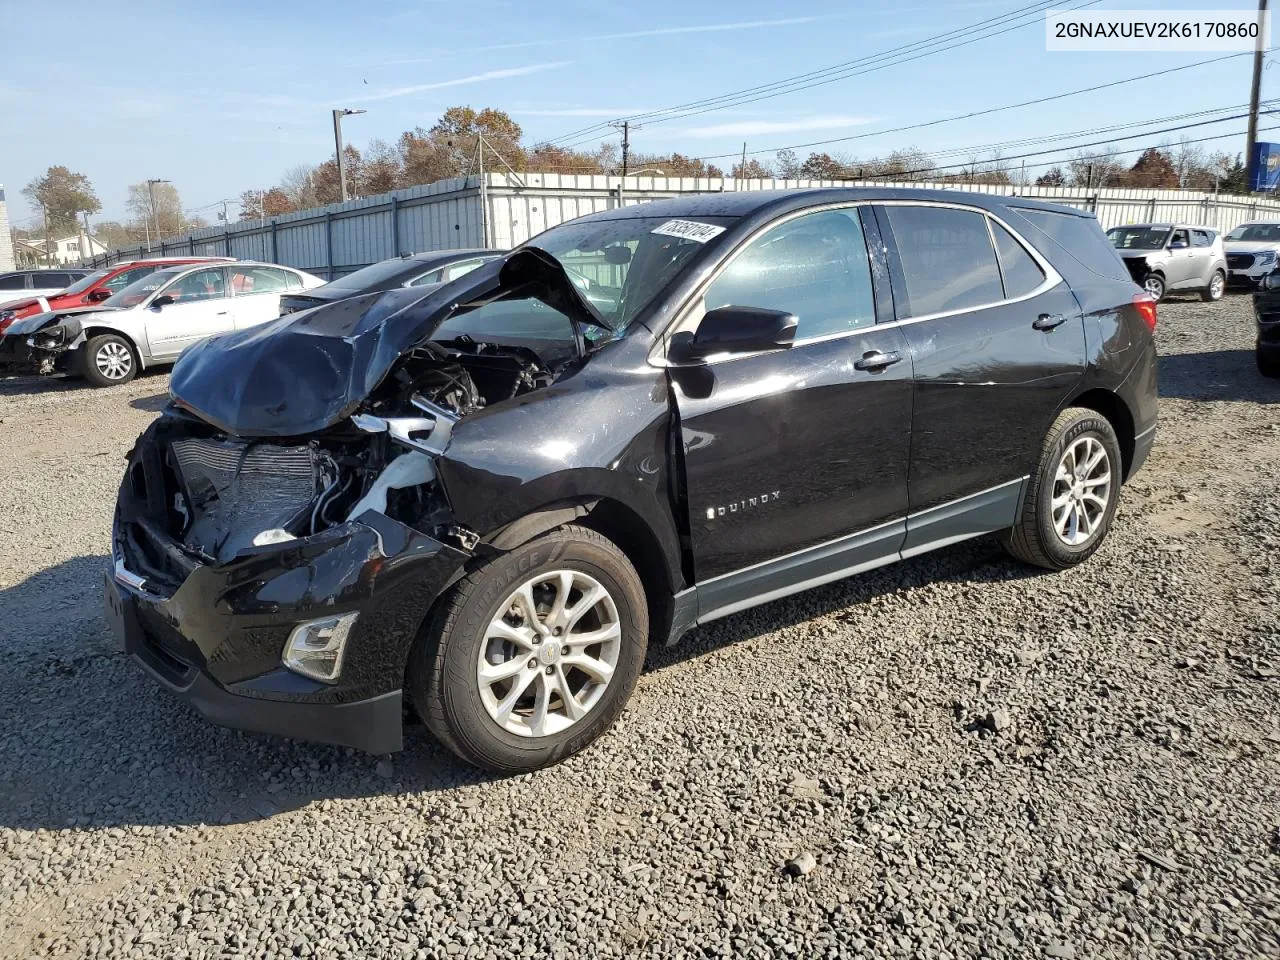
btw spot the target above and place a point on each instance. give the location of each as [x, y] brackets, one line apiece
[220, 98]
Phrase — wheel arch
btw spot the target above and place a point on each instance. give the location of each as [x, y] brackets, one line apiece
[623, 526]
[1112, 406]
[95, 331]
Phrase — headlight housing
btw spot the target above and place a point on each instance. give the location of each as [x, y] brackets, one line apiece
[315, 648]
[1266, 256]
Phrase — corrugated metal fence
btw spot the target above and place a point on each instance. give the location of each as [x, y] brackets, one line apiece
[501, 210]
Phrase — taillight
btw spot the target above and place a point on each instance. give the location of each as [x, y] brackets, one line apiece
[1145, 304]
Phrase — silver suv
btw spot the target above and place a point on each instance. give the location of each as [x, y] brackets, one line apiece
[1173, 258]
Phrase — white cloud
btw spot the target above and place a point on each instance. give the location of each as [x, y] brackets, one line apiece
[661, 32]
[387, 93]
[756, 128]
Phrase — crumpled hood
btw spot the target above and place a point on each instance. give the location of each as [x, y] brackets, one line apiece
[39, 321]
[306, 371]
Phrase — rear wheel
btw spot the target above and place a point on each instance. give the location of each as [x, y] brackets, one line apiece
[534, 655]
[1072, 496]
[1154, 285]
[109, 360]
[1217, 287]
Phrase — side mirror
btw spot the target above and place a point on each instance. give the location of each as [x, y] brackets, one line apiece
[1270, 282]
[162, 301]
[735, 329]
[1178, 245]
[97, 296]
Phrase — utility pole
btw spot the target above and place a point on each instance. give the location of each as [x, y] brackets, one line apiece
[86, 250]
[45, 211]
[337, 143]
[742, 168]
[625, 127]
[155, 215]
[1257, 85]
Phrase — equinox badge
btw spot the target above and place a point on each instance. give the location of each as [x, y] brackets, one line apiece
[749, 503]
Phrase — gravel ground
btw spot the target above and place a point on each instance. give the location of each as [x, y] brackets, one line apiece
[958, 757]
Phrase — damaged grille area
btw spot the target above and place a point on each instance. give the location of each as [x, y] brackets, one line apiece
[235, 491]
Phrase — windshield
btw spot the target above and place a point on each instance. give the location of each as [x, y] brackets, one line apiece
[1138, 238]
[1263, 232]
[139, 290]
[376, 273]
[80, 286]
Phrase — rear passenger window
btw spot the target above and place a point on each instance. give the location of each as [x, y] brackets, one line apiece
[13, 282]
[1020, 271]
[814, 266]
[1082, 237]
[1201, 238]
[946, 257]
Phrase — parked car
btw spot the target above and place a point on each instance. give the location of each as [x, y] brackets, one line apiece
[92, 288]
[24, 284]
[149, 322]
[485, 500]
[411, 270]
[1173, 258]
[1252, 251]
[1266, 310]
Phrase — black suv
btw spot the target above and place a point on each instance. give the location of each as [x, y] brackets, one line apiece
[485, 500]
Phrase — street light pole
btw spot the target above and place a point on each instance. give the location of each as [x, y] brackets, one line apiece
[337, 144]
[155, 216]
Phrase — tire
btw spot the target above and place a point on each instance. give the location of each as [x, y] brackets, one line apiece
[1154, 285]
[109, 360]
[1268, 366]
[1036, 538]
[478, 617]
[1217, 287]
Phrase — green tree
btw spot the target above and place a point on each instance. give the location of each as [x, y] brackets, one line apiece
[64, 196]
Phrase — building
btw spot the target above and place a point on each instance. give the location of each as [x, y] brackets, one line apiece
[6, 238]
[64, 251]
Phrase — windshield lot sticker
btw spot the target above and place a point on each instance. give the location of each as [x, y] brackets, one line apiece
[689, 230]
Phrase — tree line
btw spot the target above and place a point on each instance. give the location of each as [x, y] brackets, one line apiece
[448, 149]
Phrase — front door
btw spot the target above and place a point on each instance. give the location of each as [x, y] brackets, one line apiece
[1181, 269]
[997, 343]
[795, 461]
[200, 308]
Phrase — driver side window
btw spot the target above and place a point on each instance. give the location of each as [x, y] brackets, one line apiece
[1180, 236]
[814, 266]
[194, 287]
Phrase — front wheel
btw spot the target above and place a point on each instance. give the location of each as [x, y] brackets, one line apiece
[1072, 496]
[109, 360]
[1154, 285]
[532, 656]
[1217, 287]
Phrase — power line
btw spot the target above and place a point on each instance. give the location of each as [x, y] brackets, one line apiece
[896, 55]
[985, 112]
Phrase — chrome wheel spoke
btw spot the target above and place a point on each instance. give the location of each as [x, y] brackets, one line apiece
[522, 637]
[541, 707]
[585, 604]
[597, 670]
[495, 672]
[572, 708]
[517, 690]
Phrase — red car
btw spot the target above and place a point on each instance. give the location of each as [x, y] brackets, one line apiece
[94, 288]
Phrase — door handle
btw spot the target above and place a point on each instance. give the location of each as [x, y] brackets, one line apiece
[1047, 321]
[876, 360]
[221, 313]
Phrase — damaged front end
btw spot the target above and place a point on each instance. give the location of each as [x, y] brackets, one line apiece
[42, 344]
[281, 532]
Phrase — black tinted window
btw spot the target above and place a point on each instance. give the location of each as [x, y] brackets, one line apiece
[51, 281]
[13, 283]
[1020, 271]
[814, 266]
[1082, 237]
[947, 259]
[1201, 238]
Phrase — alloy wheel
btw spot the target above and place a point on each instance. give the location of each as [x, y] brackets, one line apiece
[549, 654]
[1081, 491]
[1154, 286]
[113, 360]
[1217, 285]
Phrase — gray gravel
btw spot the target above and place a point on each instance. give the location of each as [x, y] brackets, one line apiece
[952, 757]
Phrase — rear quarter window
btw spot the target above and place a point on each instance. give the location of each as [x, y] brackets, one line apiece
[1082, 237]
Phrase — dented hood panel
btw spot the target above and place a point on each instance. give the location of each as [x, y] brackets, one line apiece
[307, 371]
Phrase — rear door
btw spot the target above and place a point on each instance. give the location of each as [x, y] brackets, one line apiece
[200, 309]
[1205, 256]
[256, 293]
[795, 460]
[997, 342]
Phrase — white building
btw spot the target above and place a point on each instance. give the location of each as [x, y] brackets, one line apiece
[64, 251]
[6, 239]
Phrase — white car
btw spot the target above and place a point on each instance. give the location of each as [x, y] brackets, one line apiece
[151, 321]
[27, 284]
[1253, 250]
